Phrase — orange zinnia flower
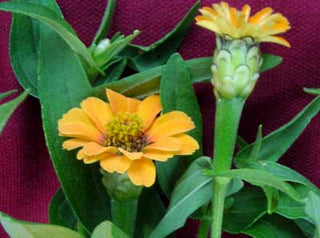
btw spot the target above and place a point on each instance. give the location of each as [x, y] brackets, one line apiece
[262, 27]
[125, 135]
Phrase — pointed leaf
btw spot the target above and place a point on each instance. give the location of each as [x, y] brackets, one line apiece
[8, 108]
[285, 135]
[192, 191]
[108, 230]
[53, 20]
[22, 229]
[24, 43]
[105, 23]
[313, 210]
[63, 84]
[315, 91]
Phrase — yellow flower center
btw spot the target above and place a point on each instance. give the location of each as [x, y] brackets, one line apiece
[125, 130]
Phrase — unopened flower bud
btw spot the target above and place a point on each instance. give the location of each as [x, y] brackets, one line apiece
[236, 65]
[101, 47]
[119, 186]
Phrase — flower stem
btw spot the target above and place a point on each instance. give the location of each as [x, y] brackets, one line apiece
[228, 113]
[124, 215]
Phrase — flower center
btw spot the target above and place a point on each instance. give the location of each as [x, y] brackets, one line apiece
[125, 130]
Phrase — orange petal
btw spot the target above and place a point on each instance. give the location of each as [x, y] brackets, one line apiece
[169, 124]
[189, 145]
[261, 15]
[93, 159]
[115, 163]
[93, 148]
[76, 123]
[120, 103]
[131, 155]
[158, 155]
[166, 144]
[98, 111]
[142, 172]
[72, 144]
[275, 39]
[148, 109]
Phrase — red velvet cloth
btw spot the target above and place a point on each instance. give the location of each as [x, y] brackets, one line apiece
[27, 178]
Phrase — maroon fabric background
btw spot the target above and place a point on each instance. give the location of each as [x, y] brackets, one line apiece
[27, 179]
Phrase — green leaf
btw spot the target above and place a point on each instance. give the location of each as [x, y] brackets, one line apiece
[113, 72]
[63, 84]
[150, 211]
[284, 136]
[177, 93]
[257, 145]
[248, 206]
[274, 227]
[283, 172]
[313, 210]
[148, 82]
[105, 23]
[107, 229]
[60, 212]
[260, 178]
[270, 62]
[6, 109]
[55, 22]
[306, 227]
[24, 42]
[144, 58]
[192, 191]
[22, 229]
[7, 94]
[272, 195]
[290, 208]
[315, 91]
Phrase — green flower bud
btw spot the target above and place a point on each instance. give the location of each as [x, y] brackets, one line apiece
[102, 46]
[119, 186]
[236, 65]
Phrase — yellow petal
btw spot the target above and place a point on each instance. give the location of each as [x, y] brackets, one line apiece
[142, 172]
[93, 148]
[148, 109]
[246, 11]
[169, 124]
[76, 123]
[115, 163]
[166, 144]
[131, 155]
[120, 103]
[72, 144]
[158, 155]
[93, 159]
[261, 15]
[275, 39]
[98, 111]
[189, 145]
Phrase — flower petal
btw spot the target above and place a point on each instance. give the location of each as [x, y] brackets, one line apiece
[72, 144]
[120, 103]
[131, 155]
[99, 111]
[93, 148]
[148, 109]
[169, 124]
[142, 172]
[189, 145]
[76, 123]
[166, 144]
[276, 39]
[115, 163]
[158, 155]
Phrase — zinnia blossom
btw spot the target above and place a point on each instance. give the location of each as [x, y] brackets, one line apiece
[229, 22]
[125, 135]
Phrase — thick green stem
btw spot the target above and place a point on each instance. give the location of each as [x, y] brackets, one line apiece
[228, 113]
[204, 227]
[124, 215]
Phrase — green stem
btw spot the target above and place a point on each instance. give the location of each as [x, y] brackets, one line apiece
[228, 113]
[204, 227]
[124, 215]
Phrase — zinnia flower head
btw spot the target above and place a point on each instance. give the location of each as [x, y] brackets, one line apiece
[229, 22]
[125, 135]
